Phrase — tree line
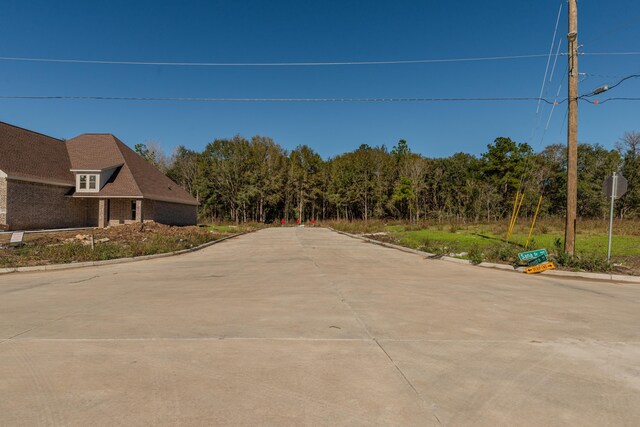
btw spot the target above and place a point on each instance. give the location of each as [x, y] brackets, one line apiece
[256, 179]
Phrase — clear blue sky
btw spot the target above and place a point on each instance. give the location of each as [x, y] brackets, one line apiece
[307, 31]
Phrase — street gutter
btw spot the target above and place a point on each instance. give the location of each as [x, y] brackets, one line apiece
[562, 273]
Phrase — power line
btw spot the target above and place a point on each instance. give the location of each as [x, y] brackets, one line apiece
[553, 69]
[608, 88]
[296, 64]
[632, 76]
[607, 76]
[553, 108]
[553, 42]
[268, 64]
[608, 53]
[536, 119]
[187, 99]
[610, 99]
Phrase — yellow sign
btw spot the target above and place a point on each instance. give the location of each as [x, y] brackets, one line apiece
[540, 268]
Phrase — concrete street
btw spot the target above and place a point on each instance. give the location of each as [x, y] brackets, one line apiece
[301, 326]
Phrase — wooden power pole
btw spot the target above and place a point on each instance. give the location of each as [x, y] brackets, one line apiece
[572, 132]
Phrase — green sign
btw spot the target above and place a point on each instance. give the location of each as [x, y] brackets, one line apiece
[536, 261]
[527, 256]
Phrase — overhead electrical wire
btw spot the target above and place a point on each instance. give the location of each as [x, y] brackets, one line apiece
[308, 100]
[608, 88]
[607, 53]
[269, 64]
[553, 108]
[611, 99]
[187, 99]
[336, 100]
[553, 42]
[296, 64]
[553, 102]
[524, 176]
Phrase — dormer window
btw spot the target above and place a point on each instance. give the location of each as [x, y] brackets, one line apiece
[87, 182]
[93, 180]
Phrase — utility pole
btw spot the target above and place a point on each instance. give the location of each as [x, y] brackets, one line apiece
[572, 132]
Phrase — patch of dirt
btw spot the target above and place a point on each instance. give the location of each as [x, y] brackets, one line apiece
[382, 237]
[125, 234]
[631, 266]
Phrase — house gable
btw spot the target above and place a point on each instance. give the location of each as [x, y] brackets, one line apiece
[92, 181]
[134, 177]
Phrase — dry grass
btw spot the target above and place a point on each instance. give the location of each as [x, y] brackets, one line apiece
[114, 242]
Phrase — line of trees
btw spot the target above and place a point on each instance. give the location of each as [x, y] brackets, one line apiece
[257, 180]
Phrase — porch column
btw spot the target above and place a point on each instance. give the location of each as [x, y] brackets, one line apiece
[102, 213]
[139, 215]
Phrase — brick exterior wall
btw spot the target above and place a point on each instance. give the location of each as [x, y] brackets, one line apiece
[31, 206]
[3, 203]
[147, 210]
[27, 205]
[170, 213]
[120, 211]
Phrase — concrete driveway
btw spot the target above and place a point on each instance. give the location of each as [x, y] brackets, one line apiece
[300, 326]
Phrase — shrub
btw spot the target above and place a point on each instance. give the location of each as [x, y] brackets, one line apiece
[475, 254]
[503, 252]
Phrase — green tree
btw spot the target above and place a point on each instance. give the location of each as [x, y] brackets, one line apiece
[506, 165]
[629, 149]
[153, 153]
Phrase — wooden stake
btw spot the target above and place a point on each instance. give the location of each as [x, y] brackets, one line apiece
[534, 222]
[515, 219]
[513, 213]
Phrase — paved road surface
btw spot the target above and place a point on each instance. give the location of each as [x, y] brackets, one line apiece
[301, 326]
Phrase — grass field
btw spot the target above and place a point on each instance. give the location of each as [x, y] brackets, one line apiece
[486, 242]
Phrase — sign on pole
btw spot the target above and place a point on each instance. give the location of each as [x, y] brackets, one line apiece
[614, 187]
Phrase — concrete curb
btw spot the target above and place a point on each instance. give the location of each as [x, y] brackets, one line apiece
[561, 273]
[114, 261]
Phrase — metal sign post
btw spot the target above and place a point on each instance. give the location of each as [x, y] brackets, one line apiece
[614, 187]
[613, 199]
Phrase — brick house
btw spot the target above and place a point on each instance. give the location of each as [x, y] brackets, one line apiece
[92, 180]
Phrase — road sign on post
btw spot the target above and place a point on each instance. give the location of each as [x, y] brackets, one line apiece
[614, 187]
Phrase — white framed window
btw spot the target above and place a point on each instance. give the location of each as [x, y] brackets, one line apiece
[87, 182]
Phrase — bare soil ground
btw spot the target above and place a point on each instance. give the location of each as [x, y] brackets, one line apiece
[113, 242]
